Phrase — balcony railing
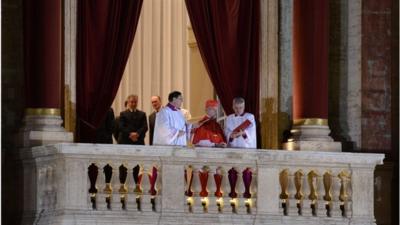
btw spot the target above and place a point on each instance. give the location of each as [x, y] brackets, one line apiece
[120, 184]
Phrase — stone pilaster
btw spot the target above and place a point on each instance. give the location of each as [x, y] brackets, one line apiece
[310, 129]
[311, 135]
[41, 127]
[42, 67]
[269, 79]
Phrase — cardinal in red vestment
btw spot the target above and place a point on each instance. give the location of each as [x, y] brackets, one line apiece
[208, 132]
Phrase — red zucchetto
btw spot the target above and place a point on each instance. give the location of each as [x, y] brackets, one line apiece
[211, 103]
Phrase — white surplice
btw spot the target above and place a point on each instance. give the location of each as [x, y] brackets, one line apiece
[249, 140]
[169, 121]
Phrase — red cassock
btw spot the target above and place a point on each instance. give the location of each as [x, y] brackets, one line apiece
[209, 130]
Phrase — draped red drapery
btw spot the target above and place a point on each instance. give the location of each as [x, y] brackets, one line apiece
[42, 53]
[310, 58]
[106, 29]
[228, 34]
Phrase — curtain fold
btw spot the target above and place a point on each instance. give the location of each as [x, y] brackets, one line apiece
[228, 34]
[106, 29]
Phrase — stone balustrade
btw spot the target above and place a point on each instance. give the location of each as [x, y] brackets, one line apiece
[106, 184]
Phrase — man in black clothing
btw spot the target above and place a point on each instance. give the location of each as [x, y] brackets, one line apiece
[116, 129]
[104, 132]
[133, 123]
[156, 103]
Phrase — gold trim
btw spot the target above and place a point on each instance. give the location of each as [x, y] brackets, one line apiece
[108, 189]
[42, 112]
[310, 121]
[123, 190]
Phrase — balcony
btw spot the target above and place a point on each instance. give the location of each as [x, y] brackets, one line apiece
[120, 184]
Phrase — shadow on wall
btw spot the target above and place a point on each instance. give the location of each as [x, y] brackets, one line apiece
[69, 111]
[275, 127]
[285, 122]
[338, 89]
[12, 110]
[268, 123]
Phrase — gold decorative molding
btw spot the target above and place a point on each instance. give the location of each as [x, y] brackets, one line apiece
[310, 121]
[42, 112]
[123, 189]
[108, 189]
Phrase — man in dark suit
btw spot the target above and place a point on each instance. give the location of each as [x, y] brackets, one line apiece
[116, 129]
[133, 123]
[104, 132]
[156, 103]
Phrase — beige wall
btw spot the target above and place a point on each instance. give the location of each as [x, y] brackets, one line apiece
[164, 57]
[201, 88]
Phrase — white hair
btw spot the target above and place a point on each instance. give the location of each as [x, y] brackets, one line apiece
[238, 100]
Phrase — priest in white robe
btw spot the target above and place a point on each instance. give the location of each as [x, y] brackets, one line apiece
[240, 127]
[170, 127]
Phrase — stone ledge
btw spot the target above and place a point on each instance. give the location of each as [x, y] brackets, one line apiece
[129, 217]
[41, 138]
[175, 154]
[314, 146]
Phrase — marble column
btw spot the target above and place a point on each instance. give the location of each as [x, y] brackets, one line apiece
[310, 129]
[42, 65]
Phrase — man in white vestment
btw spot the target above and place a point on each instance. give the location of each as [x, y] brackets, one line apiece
[186, 114]
[170, 127]
[240, 127]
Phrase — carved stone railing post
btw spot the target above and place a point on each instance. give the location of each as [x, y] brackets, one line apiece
[362, 185]
[173, 187]
[268, 189]
[75, 194]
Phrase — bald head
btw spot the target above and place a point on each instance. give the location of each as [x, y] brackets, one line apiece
[156, 102]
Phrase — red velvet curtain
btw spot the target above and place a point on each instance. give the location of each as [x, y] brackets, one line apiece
[310, 58]
[106, 29]
[228, 33]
